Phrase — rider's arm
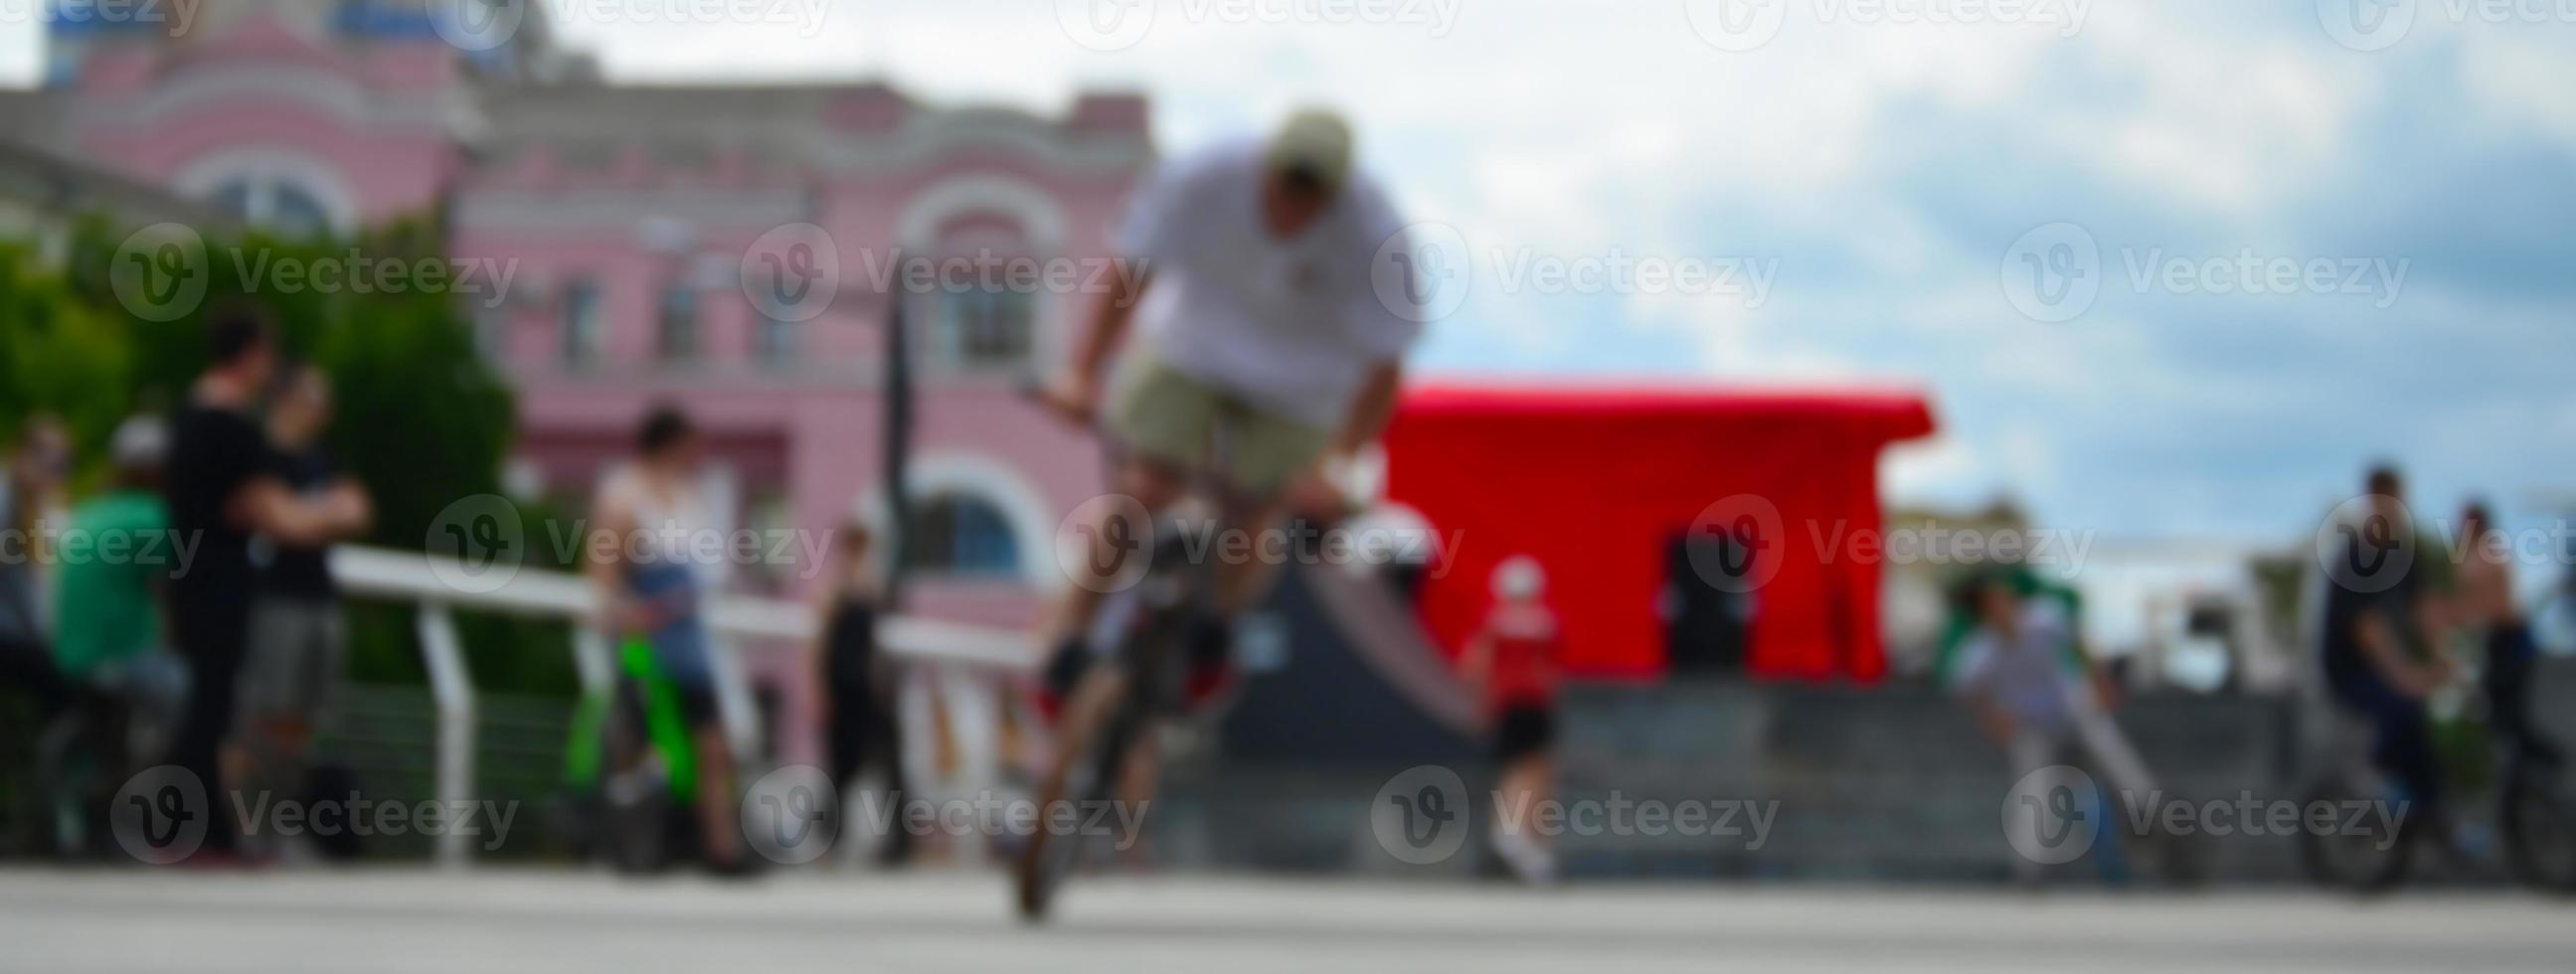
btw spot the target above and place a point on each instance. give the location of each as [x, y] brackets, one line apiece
[602, 559]
[1371, 407]
[266, 506]
[1076, 388]
[2378, 641]
[1478, 660]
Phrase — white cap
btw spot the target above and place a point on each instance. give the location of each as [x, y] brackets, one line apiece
[140, 443]
[1519, 578]
[1316, 142]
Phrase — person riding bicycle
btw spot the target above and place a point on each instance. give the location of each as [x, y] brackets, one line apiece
[2380, 622]
[1250, 265]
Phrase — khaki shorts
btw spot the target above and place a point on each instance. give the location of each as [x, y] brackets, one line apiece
[1166, 416]
[295, 661]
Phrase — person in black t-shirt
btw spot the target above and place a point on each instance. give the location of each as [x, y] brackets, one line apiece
[223, 488]
[295, 656]
[2379, 629]
[858, 687]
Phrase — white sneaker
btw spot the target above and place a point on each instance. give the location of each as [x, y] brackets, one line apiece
[1529, 860]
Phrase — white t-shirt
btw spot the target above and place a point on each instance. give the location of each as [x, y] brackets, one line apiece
[2026, 676]
[1290, 326]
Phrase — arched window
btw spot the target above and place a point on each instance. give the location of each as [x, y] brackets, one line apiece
[983, 305]
[276, 203]
[959, 534]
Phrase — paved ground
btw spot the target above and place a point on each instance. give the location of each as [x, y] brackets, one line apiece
[564, 922]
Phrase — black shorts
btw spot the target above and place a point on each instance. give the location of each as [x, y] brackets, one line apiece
[697, 703]
[1524, 729]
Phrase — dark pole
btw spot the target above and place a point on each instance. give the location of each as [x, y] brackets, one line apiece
[897, 435]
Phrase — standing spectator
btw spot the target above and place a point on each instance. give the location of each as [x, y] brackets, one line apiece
[2486, 607]
[108, 631]
[36, 471]
[1512, 660]
[296, 648]
[644, 563]
[223, 488]
[858, 685]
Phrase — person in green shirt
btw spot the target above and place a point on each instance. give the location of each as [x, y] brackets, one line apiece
[110, 566]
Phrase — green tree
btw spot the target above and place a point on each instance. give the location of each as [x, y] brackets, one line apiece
[422, 420]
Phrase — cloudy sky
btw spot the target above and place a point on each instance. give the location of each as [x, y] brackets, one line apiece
[2171, 267]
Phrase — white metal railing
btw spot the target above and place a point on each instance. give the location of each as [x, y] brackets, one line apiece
[407, 576]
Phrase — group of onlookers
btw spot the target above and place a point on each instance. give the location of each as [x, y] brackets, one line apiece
[201, 598]
[2396, 602]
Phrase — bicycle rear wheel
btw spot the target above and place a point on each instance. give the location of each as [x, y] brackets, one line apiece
[2540, 835]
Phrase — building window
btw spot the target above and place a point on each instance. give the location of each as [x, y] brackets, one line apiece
[986, 326]
[961, 535]
[276, 204]
[676, 322]
[492, 332]
[580, 322]
[776, 341]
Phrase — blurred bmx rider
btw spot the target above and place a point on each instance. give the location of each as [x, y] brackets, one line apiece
[1248, 264]
[1512, 662]
[2033, 689]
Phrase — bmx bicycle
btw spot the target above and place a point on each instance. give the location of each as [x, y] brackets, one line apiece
[629, 768]
[1141, 681]
[2497, 782]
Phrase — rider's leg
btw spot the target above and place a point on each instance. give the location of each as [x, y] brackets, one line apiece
[2111, 751]
[2031, 749]
[715, 793]
[1137, 779]
[1113, 541]
[2405, 751]
[1524, 745]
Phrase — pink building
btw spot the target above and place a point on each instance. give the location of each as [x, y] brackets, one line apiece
[642, 227]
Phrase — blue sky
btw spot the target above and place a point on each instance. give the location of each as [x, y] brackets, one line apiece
[1884, 173]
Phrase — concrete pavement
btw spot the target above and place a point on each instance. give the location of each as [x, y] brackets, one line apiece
[498, 921]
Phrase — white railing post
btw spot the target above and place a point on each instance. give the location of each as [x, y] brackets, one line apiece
[963, 652]
[591, 662]
[451, 687]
